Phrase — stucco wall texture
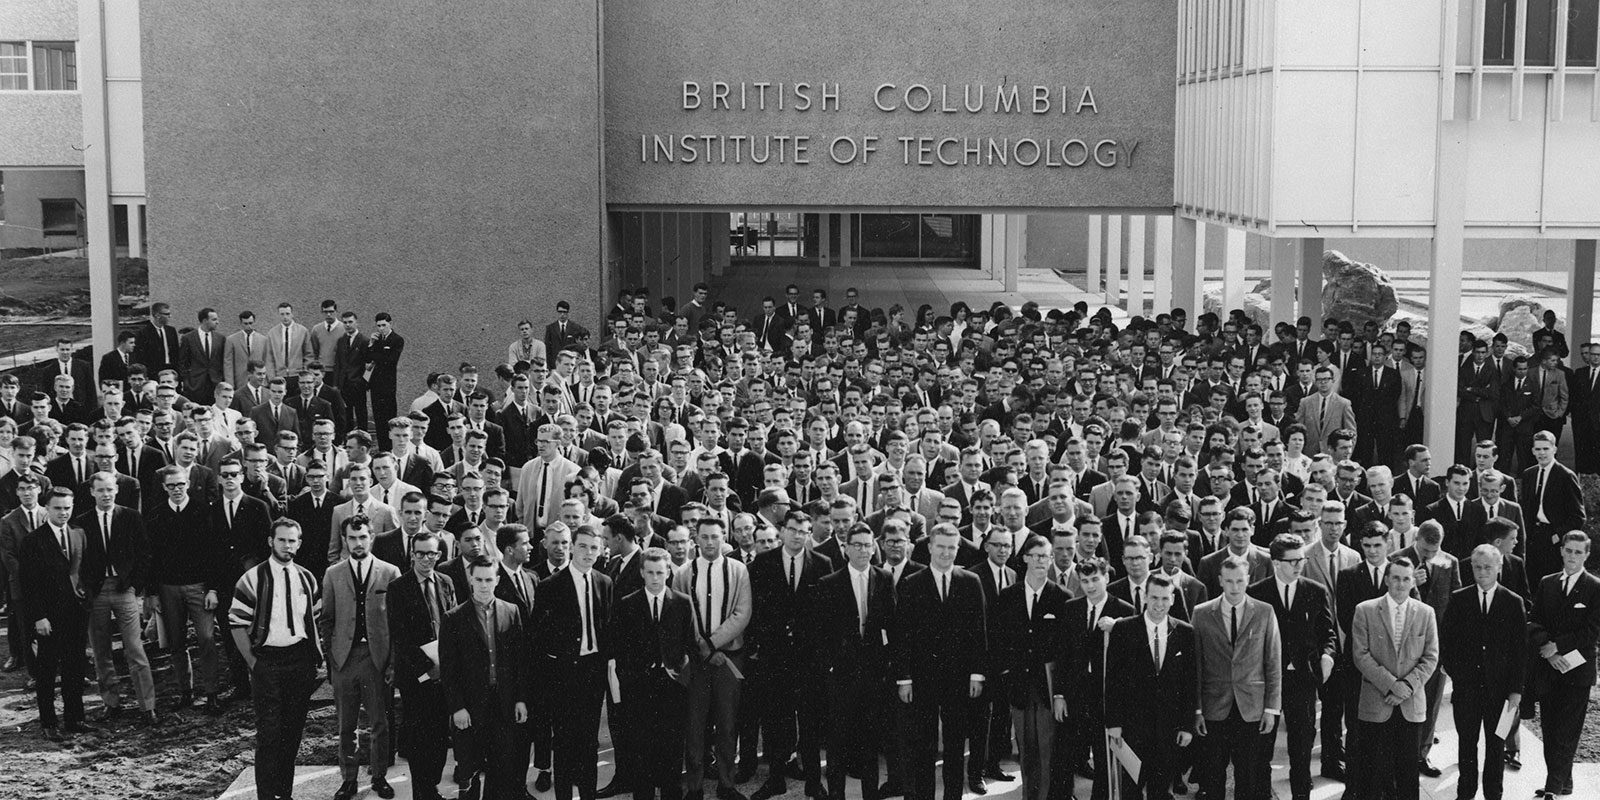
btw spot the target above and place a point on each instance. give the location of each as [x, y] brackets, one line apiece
[41, 129]
[40, 20]
[1125, 50]
[438, 161]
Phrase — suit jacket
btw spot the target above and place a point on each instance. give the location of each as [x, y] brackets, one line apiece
[1243, 670]
[1456, 542]
[938, 642]
[1353, 587]
[1476, 515]
[557, 620]
[1553, 395]
[113, 367]
[307, 411]
[1485, 655]
[336, 611]
[640, 645]
[1422, 491]
[128, 555]
[1442, 577]
[1305, 630]
[14, 529]
[1563, 499]
[464, 661]
[384, 355]
[148, 349]
[247, 536]
[1151, 706]
[1032, 647]
[268, 424]
[1377, 404]
[1382, 666]
[236, 356]
[201, 370]
[314, 530]
[1182, 607]
[626, 577]
[287, 361]
[350, 360]
[1322, 420]
[383, 518]
[729, 636]
[528, 490]
[51, 579]
[1521, 402]
[1569, 621]
[506, 590]
[782, 624]
[1478, 392]
[845, 647]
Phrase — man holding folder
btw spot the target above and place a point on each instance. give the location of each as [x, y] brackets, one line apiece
[1482, 646]
[418, 602]
[1152, 691]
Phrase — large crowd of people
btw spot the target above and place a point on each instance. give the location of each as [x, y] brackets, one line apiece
[796, 542]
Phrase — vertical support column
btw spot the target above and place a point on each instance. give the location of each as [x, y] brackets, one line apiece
[1091, 269]
[845, 222]
[1580, 300]
[136, 230]
[718, 226]
[1233, 256]
[97, 178]
[1444, 293]
[1285, 268]
[1136, 265]
[1162, 253]
[1113, 259]
[1311, 281]
[1015, 250]
[825, 240]
[1188, 260]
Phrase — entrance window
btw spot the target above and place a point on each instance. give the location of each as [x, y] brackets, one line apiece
[949, 238]
[1500, 32]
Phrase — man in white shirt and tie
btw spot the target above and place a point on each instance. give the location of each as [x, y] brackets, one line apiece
[544, 477]
[358, 483]
[719, 590]
[1395, 647]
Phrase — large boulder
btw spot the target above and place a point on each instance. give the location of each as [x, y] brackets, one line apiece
[1256, 306]
[1356, 292]
[1520, 316]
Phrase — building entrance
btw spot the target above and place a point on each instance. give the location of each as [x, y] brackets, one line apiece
[799, 239]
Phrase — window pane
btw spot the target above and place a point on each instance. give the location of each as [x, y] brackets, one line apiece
[13, 66]
[1581, 33]
[949, 236]
[55, 66]
[888, 235]
[59, 217]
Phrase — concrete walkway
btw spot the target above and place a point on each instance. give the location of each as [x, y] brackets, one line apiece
[323, 781]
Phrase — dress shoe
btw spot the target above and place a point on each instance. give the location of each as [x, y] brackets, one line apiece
[381, 787]
[610, 790]
[772, 787]
[1179, 786]
[814, 790]
[1512, 762]
[52, 733]
[1428, 770]
[347, 790]
[975, 785]
[890, 789]
[150, 719]
[471, 790]
[994, 773]
[240, 694]
[542, 783]
[78, 727]
[746, 771]
[1333, 772]
[12, 665]
[730, 793]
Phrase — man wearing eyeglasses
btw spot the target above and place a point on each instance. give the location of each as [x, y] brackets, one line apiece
[1305, 626]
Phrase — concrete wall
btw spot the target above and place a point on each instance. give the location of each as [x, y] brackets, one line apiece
[40, 129]
[436, 161]
[1123, 49]
[667, 252]
[24, 190]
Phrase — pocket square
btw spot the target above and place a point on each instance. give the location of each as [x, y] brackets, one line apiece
[1581, 605]
[1052, 616]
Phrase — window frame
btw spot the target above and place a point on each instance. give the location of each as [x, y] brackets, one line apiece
[30, 65]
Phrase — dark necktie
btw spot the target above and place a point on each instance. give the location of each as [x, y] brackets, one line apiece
[1233, 633]
[288, 600]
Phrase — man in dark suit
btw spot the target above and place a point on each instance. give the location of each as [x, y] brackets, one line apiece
[938, 660]
[569, 648]
[1483, 646]
[1451, 510]
[313, 509]
[1585, 409]
[1377, 407]
[1031, 621]
[1305, 629]
[483, 657]
[156, 344]
[115, 363]
[1087, 675]
[116, 571]
[1519, 408]
[1414, 481]
[308, 407]
[55, 606]
[350, 363]
[784, 583]
[274, 415]
[851, 615]
[1489, 504]
[518, 586]
[418, 602]
[1552, 504]
[245, 523]
[1152, 689]
[200, 358]
[1356, 585]
[648, 640]
[1565, 622]
[1477, 401]
[383, 358]
[563, 331]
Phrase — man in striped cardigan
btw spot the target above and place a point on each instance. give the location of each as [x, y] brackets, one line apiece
[274, 627]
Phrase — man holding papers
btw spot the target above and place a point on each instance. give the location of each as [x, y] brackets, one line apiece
[1152, 692]
[418, 601]
[1482, 648]
[1562, 630]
